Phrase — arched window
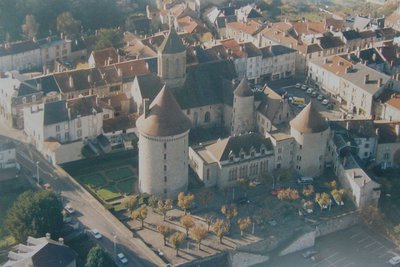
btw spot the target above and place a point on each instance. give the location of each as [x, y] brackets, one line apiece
[207, 117]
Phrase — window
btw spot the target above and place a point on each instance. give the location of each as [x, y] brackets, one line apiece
[252, 154]
[66, 127]
[57, 128]
[58, 137]
[366, 145]
[79, 133]
[34, 98]
[78, 123]
[208, 174]
[262, 151]
[165, 191]
[280, 150]
[165, 179]
[207, 117]
[365, 154]
[300, 146]
[386, 156]
[165, 156]
[188, 111]
[242, 155]
[23, 100]
[165, 145]
[165, 168]
[66, 136]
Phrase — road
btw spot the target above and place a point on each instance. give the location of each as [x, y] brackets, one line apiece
[86, 213]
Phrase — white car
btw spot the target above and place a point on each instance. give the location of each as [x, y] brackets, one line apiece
[96, 234]
[122, 258]
[298, 85]
[394, 261]
[69, 209]
[310, 91]
[325, 102]
[304, 87]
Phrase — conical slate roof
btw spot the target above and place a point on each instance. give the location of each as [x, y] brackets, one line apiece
[172, 44]
[165, 117]
[243, 89]
[309, 121]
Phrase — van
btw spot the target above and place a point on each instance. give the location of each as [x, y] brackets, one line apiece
[298, 101]
[305, 180]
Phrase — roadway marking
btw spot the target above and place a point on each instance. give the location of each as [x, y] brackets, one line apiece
[377, 249]
[362, 240]
[349, 264]
[339, 260]
[371, 244]
[354, 236]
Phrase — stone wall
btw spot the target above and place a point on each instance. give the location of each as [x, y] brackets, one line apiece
[338, 223]
[304, 241]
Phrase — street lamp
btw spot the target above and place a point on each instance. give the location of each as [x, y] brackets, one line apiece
[37, 172]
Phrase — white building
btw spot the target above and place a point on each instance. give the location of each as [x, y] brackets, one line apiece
[23, 55]
[7, 155]
[163, 147]
[225, 161]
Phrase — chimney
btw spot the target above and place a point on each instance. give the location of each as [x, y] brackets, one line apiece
[380, 83]
[397, 130]
[366, 79]
[146, 104]
[39, 86]
[377, 132]
[119, 72]
[48, 236]
[347, 125]
[89, 78]
[61, 241]
[119, 58]
[71, 81]
[374, 57]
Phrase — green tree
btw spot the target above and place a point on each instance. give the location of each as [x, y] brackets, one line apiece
[108, 38]
[34, 214]
[130, 203]
[30, 27]
[97, 257]
[67, 24]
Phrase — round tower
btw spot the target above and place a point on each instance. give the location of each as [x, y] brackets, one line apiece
[311, 132]
[243, 116]
[172, 60]
[163, 147]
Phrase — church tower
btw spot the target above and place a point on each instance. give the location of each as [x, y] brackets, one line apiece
[311, 132]
[172, 60]
[243, 116]
[163, 147]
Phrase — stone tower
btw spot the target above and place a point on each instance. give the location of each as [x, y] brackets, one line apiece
[311, 132]
[172, 60]
[163, 147]
[243, 116]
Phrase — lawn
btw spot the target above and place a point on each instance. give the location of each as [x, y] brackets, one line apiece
[9, 192]
[107, 193]
[126, 186]
[93, 180]
[119, 174]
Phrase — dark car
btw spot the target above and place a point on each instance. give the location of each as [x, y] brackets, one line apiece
[309, 253]
[243, 201]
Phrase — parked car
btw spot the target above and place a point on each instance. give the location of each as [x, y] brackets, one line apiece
[298, 85]
[304, 87]
[394, 261]
[69, 209]
[301, 106]
[255, 181]
[329, 106]
[96, 234]
[243, 200]
[314, 94]
[48, 187]
[320, 97]
[305, 180]
[325, 102]
[122, 258]
[309, 91]
[309, 253]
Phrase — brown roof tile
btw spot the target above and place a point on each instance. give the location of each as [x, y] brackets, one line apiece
[105, 56]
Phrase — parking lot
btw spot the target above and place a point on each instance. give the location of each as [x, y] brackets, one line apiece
[357, 246]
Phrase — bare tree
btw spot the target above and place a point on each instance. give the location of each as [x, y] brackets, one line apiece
[184, 201]
[209, 220]
[164, 207]
[30, 27]
[229, 211]
[164, 231]
[244, 223]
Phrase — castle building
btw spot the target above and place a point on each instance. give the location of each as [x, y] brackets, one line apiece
[243, 116]
[172, 60]
[163, 147]
[311, 132]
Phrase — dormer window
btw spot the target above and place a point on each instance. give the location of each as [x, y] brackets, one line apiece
[231, 156]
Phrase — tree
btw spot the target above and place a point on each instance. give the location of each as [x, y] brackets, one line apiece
[184, 201]
[164, 231]
[244, 185]
[288, 194]
[371, 215]
[308, 190]
[140, 214]
[34, 214]
[67, 24]
[97, 257]
[187, 223]
[152, 201]
[209, 220]
[220, 228]
[30, 27]
[323, 200]
[164, 207]
[205, 197]
[108, 38]
[130, 203]
[229, 211]
[199, 233]
[244, 223]
[176, 241]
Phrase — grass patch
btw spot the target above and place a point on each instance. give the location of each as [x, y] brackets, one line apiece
[119, 207]
[81, 245]
[119, 174]
[9, 192]
[107, 193]
[126, 186]
[93, 180]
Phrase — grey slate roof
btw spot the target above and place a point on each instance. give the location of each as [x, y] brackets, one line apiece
[150, 85]
[243, 89]
[327, 42]
[55, 112]
[172, 44]
[18, 47]
[83, 106]
[351, 35]
[53, 255]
